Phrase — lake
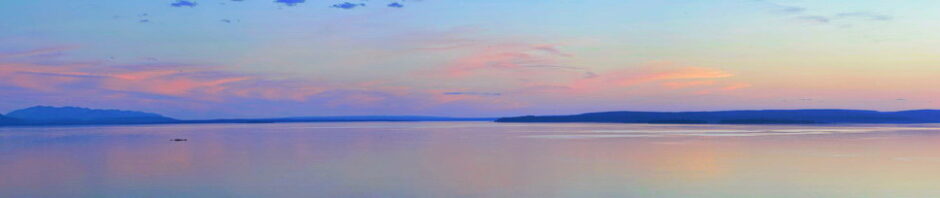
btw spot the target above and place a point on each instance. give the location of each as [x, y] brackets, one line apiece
[470, 159]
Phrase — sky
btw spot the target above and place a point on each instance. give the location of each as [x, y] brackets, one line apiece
[271, 58]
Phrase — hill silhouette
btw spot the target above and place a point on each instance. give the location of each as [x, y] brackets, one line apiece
[78, 115]
[808, 116]
[7, 120]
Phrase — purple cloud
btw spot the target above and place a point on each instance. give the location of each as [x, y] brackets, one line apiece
[183, 3]
[290, 2]
[348, 5]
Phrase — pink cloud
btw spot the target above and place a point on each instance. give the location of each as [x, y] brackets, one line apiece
[38, 82]
[667, 75]
[169, 82]
[180, 81]
[39, 77]
[725, 88]
[546, 71]
[141, 75]
[736, 86]
[144, 79]
[687, 84]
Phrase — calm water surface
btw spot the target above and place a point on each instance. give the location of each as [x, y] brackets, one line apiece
[471, 159]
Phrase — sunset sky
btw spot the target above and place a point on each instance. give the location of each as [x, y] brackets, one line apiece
[272, 58]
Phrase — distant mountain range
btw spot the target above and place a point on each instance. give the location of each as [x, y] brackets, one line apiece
[810, 116]
[47, 115]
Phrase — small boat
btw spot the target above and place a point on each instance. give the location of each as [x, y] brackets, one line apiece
[179, 139]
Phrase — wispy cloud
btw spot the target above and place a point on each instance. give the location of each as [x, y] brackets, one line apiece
[814, 19]
[844, 18]
[474, 93]
[865, 15]
[510, 58]
[781, 8]
[36, 52]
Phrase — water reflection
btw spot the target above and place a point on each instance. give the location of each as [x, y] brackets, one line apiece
[470, 160]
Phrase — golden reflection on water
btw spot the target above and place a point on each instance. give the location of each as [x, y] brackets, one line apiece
[471, 159]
